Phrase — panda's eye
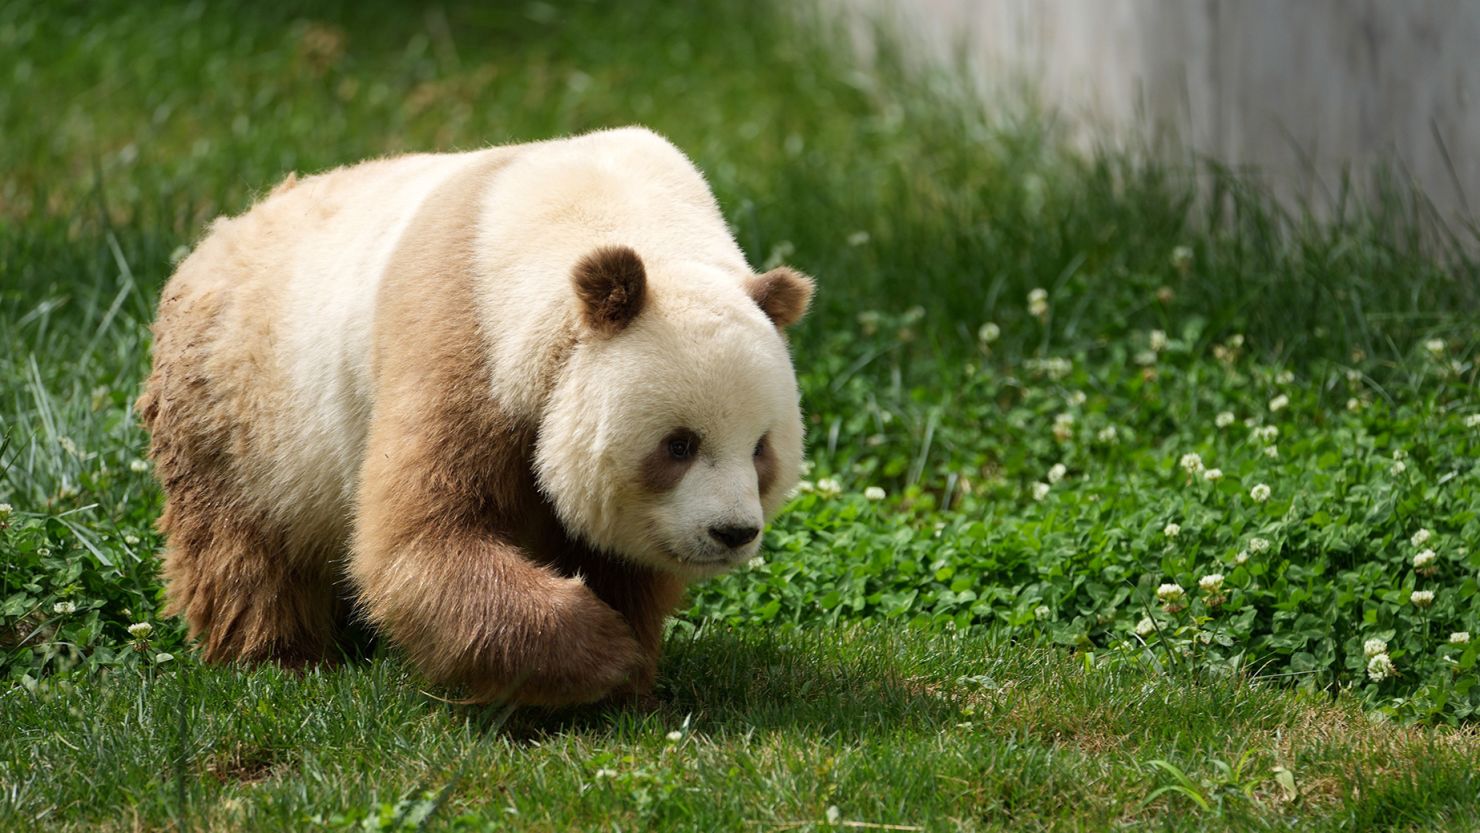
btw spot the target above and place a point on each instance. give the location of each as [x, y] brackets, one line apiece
[760, 446]
[682, 445]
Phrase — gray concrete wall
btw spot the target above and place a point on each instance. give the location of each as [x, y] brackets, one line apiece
[1297, 89]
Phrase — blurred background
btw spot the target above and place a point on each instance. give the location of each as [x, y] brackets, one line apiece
[1299, 94]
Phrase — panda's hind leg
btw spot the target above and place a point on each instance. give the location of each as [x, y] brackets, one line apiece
[243, 593]
[249, 584]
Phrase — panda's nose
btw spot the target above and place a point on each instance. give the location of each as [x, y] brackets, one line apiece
[734, 536]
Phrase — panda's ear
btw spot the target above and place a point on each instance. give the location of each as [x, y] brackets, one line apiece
[611, 284]
[782, 294]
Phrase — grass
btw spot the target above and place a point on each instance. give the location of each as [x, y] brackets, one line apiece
[984, 647]
[755, 731]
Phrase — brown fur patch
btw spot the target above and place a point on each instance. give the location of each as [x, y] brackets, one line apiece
[457, 557]
[783, 294]
[612, 285]
[765, 468]
[660, 472]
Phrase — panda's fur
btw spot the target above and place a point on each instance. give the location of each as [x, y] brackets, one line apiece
[455, 392]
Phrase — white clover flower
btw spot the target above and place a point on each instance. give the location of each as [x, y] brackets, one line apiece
[1266, 433]
[606, 772]
[1260, 492]
[1224, 419]
[1169, 593]
[161, 658]
[828, 487]
[131, 540]
[64, 608]
[1040, 490]
[5, 511]
[806, 466]
[1145, 627]
[1424, 559]
[1279, 403]
[1042, 612]
[804, 487]
[1354, 404]
[1421, 537]
[1172, 530]
[1242, 557]
[1472, 421]
[874, 493]
[1158, 340]
[138, 466]
[1053, 367]
[1422, 598]
[1038, 302]
[988, 333]
[1398, 467]
[675, 736]
[1144, 358]
[1063, 427]
[1399, 454]
[140, 630]
[1459, 638]
[1272, 452]
[1435, 346]
[1077, 398]
[758, 561]
[1211, 583]
[1373, 647]
[1213, 475]
[1284, 377]
[1182, 258]
[1057, 472]
[1380, 667]
[1258, 545]
[1108, 435]
[1191, 462]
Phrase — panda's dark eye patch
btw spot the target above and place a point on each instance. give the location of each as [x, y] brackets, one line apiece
[765, 464]
[670, 459]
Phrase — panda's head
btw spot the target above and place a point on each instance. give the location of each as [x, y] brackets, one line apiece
[673, 431]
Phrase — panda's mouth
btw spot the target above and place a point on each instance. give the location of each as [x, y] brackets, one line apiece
[709, 560]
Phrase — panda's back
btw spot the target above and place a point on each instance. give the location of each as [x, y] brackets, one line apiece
[263, 338]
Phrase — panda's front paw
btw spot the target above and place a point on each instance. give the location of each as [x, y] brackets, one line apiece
[590, 652]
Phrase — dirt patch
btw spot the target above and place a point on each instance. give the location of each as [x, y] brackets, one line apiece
[245, 765]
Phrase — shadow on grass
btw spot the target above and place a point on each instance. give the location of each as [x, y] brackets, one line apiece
[830, 682]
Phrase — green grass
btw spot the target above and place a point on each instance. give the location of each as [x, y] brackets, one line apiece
[1017, 670]
[755, 731]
